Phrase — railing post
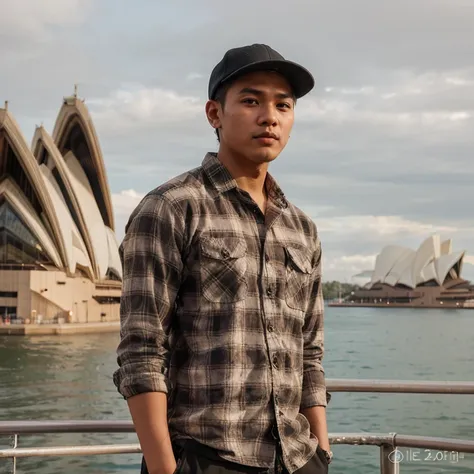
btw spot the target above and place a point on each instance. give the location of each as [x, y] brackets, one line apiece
[15, 445]
[389, 460]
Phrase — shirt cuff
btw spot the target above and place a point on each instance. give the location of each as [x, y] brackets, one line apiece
[131, 381]
[314, 390]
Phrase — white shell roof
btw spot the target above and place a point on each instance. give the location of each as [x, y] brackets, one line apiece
[71, 229]
[433, 260]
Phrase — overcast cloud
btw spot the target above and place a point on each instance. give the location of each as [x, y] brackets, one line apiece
[382, 149]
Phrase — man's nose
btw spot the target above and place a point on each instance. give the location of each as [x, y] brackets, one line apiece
[268, 115]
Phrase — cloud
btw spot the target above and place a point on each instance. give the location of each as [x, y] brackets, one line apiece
[339, 112]
[348, 91]
[469, 259]
[193, 76]
[458, 81]
[351, 243]
[346, 266]
[379, 225]
[433, 82]
[33, 19]
[124, 202]
[136, 107]
[422, 102]
[39, 49]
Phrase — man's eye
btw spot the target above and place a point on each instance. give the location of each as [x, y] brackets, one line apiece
[285, 104]
[249, 101]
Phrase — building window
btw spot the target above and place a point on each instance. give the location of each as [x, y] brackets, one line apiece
[8, 294]
[17, 244]
[107, 299]
[8, 312]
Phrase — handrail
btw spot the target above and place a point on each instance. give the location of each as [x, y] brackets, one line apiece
[404, 441]
[400, 386]
[10, 428]
[395, 440]
[70, 451]
[388, 444]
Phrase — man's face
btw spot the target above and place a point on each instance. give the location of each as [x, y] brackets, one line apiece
[257, 118]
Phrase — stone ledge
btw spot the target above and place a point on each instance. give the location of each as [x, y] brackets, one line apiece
[58, 329]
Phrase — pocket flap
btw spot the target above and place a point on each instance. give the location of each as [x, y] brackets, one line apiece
[301, 258]
[223, 248]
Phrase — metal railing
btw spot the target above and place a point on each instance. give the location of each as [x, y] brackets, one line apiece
[446, 449]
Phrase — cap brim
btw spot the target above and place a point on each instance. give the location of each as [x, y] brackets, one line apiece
[300, 79]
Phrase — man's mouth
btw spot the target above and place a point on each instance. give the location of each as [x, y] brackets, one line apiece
[267, 135]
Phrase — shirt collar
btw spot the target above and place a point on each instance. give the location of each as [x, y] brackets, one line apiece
[220, 177]
[223, 181]
[274, 192]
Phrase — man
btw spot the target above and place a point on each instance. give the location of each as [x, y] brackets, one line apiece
[222, 311]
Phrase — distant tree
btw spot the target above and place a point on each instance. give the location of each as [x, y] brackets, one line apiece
[335, 289]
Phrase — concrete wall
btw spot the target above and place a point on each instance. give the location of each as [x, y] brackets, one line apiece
[47, 310]
[62, 291]
[111, 311]
[52, 293]
[19, 281]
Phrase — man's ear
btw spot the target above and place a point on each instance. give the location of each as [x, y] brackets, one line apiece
[213, 112]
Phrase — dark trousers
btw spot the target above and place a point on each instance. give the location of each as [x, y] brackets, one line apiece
[194, 458]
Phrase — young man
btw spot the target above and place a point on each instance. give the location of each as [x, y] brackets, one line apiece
[222, 311]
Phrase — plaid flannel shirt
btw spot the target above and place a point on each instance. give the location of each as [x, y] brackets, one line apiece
[222, 310]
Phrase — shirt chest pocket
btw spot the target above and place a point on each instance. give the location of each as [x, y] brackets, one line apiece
[299, 277]
[223, 269]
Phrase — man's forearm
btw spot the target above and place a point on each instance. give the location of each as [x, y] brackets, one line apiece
[149, 414]
[317, 420]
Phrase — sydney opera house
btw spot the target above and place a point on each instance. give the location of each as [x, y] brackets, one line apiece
[59, 259]
[427, 277]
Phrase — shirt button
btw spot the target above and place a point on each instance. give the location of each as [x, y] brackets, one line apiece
[270, 291]
[225, 253]
[270, 328]
[267, 258]
[275, 364]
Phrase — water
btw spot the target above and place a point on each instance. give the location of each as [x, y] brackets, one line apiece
[69, 377]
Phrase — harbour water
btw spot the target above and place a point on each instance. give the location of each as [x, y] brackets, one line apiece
[69, 377]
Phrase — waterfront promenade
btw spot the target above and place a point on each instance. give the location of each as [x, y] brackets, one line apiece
[58, 329]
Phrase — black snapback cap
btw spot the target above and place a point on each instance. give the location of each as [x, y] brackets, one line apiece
[259, 57]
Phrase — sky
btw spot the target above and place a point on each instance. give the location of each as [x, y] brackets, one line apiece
[381, 152]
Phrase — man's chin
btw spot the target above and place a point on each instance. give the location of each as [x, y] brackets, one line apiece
[265, 155]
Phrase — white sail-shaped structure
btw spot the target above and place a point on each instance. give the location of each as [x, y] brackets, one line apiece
[58, 250]
[433, 261]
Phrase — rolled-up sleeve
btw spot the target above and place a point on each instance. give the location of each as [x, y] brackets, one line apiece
[314, 383]
[152, 267]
